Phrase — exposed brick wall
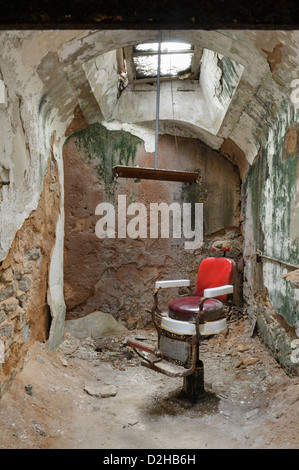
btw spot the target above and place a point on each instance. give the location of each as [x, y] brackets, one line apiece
[24, 314]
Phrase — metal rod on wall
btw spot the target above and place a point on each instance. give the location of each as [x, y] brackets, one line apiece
[259, 257]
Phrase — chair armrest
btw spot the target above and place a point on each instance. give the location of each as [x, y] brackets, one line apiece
[166, 285]
[172, 283]
[216, 291]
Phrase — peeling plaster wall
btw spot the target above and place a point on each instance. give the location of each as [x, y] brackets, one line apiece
[24, 312]
[272, 226]
[219, 78]
[102, 75]
[27, 69]
[38, 106]
[20, 163]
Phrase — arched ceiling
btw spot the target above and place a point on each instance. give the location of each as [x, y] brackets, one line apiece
[269, 60]
[47, 74]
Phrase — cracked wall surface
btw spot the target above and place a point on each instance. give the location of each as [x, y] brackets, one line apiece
[272, 229]
[24, 311]
[46, 76]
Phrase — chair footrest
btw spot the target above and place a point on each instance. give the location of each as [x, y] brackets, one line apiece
[166, 368]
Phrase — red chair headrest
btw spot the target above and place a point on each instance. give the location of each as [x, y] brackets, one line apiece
[226, 248]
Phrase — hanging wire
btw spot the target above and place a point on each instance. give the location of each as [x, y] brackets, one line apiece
[158, 100]
[175, 137]
[172, 103]
[137, 173]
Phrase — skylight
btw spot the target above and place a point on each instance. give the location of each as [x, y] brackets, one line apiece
[176, 59]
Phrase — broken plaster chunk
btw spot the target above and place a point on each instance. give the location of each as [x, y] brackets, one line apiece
[295, 351]
[252, 413]
[132, 422]
[292, 277]
[104, 391]
[40, 360]
[3, 97]
[92, 390]
[94, 325]
[247, 361]
[242, 347]
[69, 345]
[295, 344]
[63, 361]
[108, 391]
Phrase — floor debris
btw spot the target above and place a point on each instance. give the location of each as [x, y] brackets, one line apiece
[251, 402]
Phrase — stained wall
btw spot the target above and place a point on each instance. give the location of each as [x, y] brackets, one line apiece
[117, 275]
[272, 230]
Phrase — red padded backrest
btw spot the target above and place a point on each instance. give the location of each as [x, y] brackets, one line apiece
[214, 272]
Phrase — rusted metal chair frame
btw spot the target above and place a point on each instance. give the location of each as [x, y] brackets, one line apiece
[156, 356]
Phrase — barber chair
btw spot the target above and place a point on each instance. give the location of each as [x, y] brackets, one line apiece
[189, 318]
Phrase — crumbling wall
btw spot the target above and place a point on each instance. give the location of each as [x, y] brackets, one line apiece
[44, 76]
[219, 79]
[271, 228]
[36, 106]
[24, 312]
[117, 275]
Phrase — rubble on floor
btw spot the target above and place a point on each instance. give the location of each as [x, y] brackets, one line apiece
[93, 393]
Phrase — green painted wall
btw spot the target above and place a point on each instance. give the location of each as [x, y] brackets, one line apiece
[103, 149]
[273, 188]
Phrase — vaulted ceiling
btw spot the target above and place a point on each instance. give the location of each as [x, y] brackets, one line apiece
[245, 76]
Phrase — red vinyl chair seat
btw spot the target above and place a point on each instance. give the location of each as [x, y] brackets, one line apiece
[186, 308]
